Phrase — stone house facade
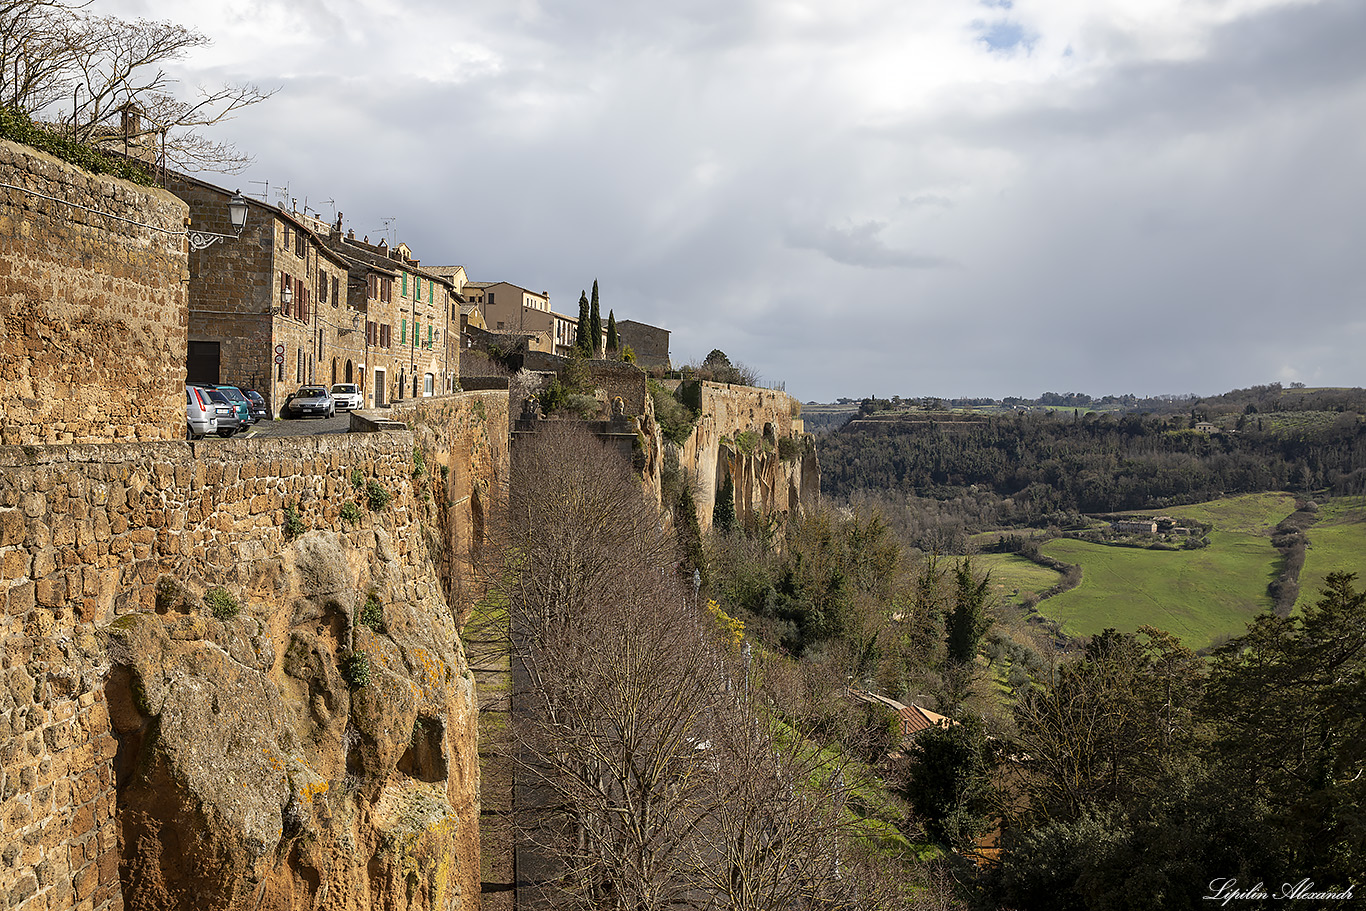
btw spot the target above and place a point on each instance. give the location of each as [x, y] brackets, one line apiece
[268, 310]
[412, 349]
[650, 343]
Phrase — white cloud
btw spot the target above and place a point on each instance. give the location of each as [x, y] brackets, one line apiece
[854, 197]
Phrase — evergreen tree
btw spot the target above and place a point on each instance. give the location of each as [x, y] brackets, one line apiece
[612, 341]
[723, 513]
[581, 342]
[689, 535]
[969, 620]
[950, 781]
[594, 323]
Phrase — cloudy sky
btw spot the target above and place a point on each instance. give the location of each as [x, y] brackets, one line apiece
[912, 197]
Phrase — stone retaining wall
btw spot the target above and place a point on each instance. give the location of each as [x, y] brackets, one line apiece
[93, 305]
[105, 554]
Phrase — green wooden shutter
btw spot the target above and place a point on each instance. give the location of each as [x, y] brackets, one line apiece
[403, 331]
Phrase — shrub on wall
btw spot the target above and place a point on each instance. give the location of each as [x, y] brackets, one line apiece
[375, 495]
[16, 126]
[221, 603]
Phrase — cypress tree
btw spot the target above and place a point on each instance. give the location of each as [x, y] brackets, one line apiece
[612, 341]
[582, 331]
[689, 534]
[723, 513]
[595, 323]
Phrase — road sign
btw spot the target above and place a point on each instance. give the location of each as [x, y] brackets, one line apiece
[280, 349]
[279, 358]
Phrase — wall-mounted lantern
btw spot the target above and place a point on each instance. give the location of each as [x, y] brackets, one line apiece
[237, 214]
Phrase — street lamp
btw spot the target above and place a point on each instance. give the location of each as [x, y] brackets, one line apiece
[237, 214]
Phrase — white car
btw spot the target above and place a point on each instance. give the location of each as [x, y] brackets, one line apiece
[347, 397]
[201, 412]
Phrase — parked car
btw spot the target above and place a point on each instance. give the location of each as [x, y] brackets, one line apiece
[229, 419]
[347, 397]
[240, 402]
[259, 411]
[201, 414]
[311, 400]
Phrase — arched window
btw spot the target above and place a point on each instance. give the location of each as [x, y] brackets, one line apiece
[348, 371]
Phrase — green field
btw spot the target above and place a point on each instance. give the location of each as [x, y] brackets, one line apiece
[1198, 595]
[1337, 542]
[1013, 577]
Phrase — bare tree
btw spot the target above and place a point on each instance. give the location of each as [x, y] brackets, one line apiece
[652, 780]
[34, 63]
[80, 72]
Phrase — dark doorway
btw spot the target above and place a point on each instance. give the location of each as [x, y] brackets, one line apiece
[201, 366]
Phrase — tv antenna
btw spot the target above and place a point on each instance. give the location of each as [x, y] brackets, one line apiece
[390, 231]
[265, 194]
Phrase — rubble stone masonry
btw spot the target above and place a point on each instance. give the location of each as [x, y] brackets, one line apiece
[128, 706]
[92, 305]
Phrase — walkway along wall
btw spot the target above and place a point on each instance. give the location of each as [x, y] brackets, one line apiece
[230, 680]
[92, 305]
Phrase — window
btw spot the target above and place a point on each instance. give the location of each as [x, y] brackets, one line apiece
[286, 237]
[386, 290]
[403, 331]
[490, 298]
[417, 289]
[369, 333]
[428, 384]
[429, 335]
[299, 248]
[371, 286]
[336, 297]
[299, 368]
[405, 283]
[322, 286]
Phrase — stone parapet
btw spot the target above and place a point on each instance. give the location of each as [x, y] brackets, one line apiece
[93, 304]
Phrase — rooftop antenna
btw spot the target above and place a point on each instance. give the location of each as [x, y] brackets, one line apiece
[390, 231]
[265, 194]
[333, 204]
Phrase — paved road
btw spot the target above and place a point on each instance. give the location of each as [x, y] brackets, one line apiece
[297, 427]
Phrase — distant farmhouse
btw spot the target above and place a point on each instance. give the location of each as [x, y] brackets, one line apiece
[1136, 526]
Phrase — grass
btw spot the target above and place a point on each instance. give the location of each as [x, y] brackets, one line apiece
[1199, 595]
[871, 810]
[1337, 542]
[1013, 577]
[1254, 513]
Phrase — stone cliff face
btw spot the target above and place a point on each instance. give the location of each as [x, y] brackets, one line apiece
[754, 437]
[232, 680]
